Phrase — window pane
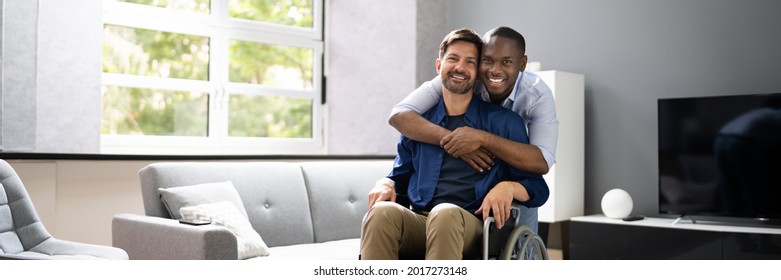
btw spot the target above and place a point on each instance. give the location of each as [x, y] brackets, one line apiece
[138, 111]
[155, 53]
[270, 116]
[271, 65]
[288, 12]
[199, 6]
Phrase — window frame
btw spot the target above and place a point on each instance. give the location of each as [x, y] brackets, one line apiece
[220, 28]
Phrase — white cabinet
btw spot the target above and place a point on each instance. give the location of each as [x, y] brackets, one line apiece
[566, 178]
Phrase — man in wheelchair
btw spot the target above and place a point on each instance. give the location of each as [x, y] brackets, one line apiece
[449, 200]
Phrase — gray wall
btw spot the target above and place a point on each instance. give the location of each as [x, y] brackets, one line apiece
[368, 67]
[432, 18]
[69, 73]
[632, 53]
[378, 52]
[50, 88]
[18, 83]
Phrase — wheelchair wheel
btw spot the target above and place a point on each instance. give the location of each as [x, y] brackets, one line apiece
[524, 244]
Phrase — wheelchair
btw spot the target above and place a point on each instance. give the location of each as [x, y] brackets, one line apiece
[513, 242]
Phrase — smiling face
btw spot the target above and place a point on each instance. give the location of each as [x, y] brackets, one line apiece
[501, 62]
[458, 67]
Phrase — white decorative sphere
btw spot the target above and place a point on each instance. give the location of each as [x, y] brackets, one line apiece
[617, 204]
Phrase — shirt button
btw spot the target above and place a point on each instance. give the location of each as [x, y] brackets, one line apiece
[266, 205]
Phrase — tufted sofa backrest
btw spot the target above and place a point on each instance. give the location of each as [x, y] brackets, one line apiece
[338, 194]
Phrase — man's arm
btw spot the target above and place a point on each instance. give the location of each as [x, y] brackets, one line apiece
[414, 126]
[406, 118]
[528, 188]
[537, 156]
[499, 199]
[384, 190]
[520, 155]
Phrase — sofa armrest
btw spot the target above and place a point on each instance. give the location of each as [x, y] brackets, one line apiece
[155, 238]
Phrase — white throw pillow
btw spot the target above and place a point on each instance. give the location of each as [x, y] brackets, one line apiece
[225, 214]
[177, 197]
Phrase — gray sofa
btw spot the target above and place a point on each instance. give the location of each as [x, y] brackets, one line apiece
[302, 210]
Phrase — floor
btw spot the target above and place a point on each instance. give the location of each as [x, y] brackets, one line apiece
[555, 254]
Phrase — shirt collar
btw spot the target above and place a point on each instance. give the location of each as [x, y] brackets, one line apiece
[470, 118]
[516, 87]
[481, 90]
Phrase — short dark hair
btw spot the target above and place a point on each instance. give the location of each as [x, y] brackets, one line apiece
[509, 33]
[463, 34]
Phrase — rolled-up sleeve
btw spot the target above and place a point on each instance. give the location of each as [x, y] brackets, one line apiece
[421, 99]
[537, 189]
[544, 127]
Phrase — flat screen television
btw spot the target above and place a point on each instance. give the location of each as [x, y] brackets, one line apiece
[720, 157]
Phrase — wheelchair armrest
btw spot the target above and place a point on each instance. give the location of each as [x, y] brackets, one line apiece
[515, 216]
[491, 232]
[486, 235]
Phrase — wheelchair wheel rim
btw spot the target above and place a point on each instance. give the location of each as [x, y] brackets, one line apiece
[515, 252]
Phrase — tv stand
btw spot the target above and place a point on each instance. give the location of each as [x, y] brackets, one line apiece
[597, 237]
[684, 217]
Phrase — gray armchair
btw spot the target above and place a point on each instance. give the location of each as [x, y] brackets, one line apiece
[23, 236]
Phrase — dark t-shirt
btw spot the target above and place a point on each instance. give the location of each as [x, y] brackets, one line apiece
[457, 179]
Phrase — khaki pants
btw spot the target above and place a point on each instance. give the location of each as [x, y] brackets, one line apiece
[447, 233]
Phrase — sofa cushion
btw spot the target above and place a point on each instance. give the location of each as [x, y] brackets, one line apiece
[346, 249]
[177, 197]
[338, 192]
[225, 214]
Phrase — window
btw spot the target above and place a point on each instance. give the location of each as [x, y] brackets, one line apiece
[212, 77]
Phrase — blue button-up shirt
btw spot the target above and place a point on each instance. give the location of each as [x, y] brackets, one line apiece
[417, 167]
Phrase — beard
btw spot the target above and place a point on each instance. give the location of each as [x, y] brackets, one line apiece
[455, 87]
